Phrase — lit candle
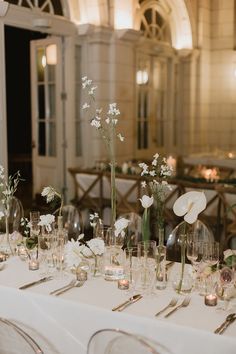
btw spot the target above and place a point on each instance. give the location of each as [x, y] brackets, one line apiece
[171, 161]
[33, 264]
[3, 257]
[22, 252]
[210, 300]
[81, 274]
[123, 284]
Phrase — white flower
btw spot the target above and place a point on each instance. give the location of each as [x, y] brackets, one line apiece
[96, 245]
[120, 137]
[47, 220]
[190, 205]
[107, 120]
[86, 252]
[152, 173]
[146, 201]
[98, 110]
[95, 123]
[154, 162]
[120, 225]
[92, 216]
[156, 156]
[1, 215]
[73, 255]
[92, 89]
[85, 105]
[49, 193]
[143, 184]
[113, 110]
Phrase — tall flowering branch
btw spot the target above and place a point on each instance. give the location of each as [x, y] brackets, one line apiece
[8, 187]
[158, 172]
[106, 125]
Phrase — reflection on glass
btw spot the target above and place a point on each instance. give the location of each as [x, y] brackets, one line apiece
[52, 108]
[40, 64]
[51, 135]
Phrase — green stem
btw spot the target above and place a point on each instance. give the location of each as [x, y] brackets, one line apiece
[183, 248]
[113, 178]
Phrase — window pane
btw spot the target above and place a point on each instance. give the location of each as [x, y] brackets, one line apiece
[51, 139]
[51, 72]
[41, 102]
[41, 63]
[41, 139]
[51, 99]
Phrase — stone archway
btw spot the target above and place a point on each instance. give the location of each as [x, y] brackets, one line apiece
[176, 13]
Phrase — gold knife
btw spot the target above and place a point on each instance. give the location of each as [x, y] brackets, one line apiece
[130, 301]
[42, 280]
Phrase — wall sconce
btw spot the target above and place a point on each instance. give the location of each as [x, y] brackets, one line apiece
[142, 77]
[51, 54]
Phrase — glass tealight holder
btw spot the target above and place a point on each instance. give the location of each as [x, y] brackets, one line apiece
[160, 267]
[33, 264]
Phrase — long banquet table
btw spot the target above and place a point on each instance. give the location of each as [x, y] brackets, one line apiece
[64, 324]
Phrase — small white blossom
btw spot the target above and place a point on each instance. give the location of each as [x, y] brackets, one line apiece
[107, 120]
[99, 110]
[85, 105]
[113, 110]
[154, 162]
[95, 123]
[92, 89]
[80, 237]
[143, 184]
[120, 137]
[156, 156]
[152, 173]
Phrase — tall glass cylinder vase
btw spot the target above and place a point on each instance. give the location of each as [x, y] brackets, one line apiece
[160, 267]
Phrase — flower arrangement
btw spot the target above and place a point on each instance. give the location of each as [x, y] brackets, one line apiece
[75, 251]
[158, 186]
[188, 205]
[8, 187]
[106, 125]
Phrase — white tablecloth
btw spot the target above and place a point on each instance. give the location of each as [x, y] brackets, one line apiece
[64, 324]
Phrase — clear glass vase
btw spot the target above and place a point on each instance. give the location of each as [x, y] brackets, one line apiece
[113, 263]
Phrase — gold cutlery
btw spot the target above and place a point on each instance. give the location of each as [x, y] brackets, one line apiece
[130, 301]
[77, 284]
[42, 280]
[73, 282]
[185, 303]
[229, 319]
[172, 303]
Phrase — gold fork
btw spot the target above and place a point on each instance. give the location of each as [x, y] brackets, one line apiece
[185, 303]
[172, 303]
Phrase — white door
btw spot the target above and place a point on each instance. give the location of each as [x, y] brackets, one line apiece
[47, 108]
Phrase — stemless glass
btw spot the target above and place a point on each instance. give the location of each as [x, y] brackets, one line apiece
[47, 241]
[147, 261]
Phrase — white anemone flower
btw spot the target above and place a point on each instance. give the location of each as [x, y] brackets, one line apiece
[120, 225]
[96, 245]
[146, 201]
[73, 253]
[190, 205]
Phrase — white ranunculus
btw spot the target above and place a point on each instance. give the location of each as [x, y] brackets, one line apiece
[120, 225]
[146, 201]
[73, 255]
[86, 251]
[47, 220]
[190, 205]
[96, 245]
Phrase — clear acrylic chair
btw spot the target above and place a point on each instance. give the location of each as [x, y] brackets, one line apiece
[116, 341]
[134, 229]
[72, 221]
[200, 231]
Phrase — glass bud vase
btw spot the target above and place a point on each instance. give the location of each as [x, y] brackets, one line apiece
[113, 263]
[160, 267]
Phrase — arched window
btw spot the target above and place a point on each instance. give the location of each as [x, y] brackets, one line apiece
[52, 7]
[154, 26]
